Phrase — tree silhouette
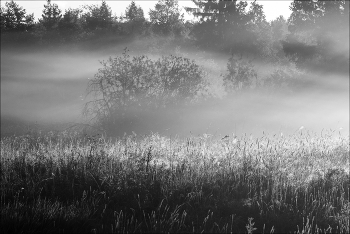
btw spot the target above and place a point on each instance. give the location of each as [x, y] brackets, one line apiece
[70, 24]
[98, 17]
[279, 31]
[51, 16]
[166, 18]
[14, 18]
[135, 18]
[134, 13]
[224, 22]
[259, 38]
[318, 28]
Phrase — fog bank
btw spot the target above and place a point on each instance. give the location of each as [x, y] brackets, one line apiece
[49, 89]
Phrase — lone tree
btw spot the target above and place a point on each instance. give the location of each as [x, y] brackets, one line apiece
[124, 83]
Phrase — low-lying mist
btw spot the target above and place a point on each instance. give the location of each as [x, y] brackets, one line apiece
[245, 114]
[48, 89]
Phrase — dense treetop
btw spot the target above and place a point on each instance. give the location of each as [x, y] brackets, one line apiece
[315, 29]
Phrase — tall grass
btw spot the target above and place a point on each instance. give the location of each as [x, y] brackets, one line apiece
[63, 183]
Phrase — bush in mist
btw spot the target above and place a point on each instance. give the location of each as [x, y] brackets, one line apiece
[241, 75]
[125, 83]
[286, 76]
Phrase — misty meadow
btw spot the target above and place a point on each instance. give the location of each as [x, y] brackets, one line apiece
[153, 123]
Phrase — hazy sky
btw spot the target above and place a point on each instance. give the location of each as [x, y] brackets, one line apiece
[272, 9]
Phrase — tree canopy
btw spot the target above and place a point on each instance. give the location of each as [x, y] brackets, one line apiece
[51, 16]
[98, 17]
[15, 18]
[315, 29]
[135, 18]
[166, 18]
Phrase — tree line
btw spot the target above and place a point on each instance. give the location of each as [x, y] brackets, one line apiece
[314, 28]
[90, 21]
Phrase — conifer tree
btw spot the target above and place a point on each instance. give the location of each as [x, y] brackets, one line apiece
[166, 18]
[14, 18]
[98, 16]
[51, 16]
[135, 18]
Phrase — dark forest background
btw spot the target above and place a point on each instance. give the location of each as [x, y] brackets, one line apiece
[312, 35]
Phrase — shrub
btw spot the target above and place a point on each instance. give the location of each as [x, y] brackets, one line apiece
[125, 83]
[240, 75]
[285, 76]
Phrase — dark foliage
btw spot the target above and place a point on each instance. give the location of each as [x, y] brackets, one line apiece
[166, 18]
[317, 32]
[51, 16]
[313, 37]
[135, 19]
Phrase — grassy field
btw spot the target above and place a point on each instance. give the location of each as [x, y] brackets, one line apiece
[70, 183]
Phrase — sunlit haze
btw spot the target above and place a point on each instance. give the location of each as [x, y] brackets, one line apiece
[46, 83]
[137, 117]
